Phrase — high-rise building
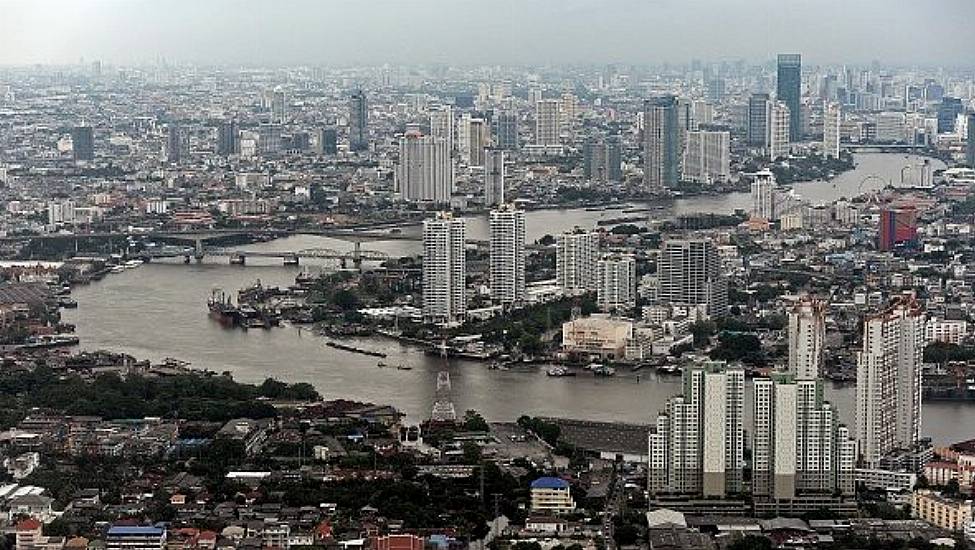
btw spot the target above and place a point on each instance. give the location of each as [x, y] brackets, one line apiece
[174, 143]
[897, 226]
[789, 91]
[888, 390]
[970, 146]
[328, 141]
[424, 172]
[493, 177]
[763, 196]
[614, 158]
[689, 273]
[477, 140]
[61, 212]
[661, 142]
[548, 123]
[779, 124]
[832, 121]
[807, 338]
[948, 112]
[716, 90]
[576, 254]
[567, 111]
[799, 448]
[358, 122]
[442, 125]
[507, 270]
[444, 269]
[279, 106]
[758, 110]
[83, 143]
[594, 162]
[504, 125]
[228, 138]
[269, 138]
[707, 157]
[696, 445]
[616, 282]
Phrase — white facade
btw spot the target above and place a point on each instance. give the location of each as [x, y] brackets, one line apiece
[444, 270]
[575, 261]
[442, 125]
[425, 172]
[507, 270]
[61, 212]
[616, 284]
[689, 272]
[763, 196]
[707, 157]
[807, 339]
[951, 331]
[547, 122]
[832, 121]
[888, 387]
[778, 130]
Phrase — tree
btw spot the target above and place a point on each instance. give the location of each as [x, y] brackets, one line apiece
[751, 542]
[472, 452]
[474, 422]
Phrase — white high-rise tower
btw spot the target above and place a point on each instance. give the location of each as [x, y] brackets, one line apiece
[425, 172]
[507, 271]
[444, 270]
[575, 261]
[807, 338]
[832, 120]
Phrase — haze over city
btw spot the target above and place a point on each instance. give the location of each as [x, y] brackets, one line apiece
[515, 32]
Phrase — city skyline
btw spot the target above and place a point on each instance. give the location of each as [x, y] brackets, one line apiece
[533, 33]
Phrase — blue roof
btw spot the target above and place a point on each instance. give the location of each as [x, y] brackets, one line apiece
[550, 483]
[135, 530]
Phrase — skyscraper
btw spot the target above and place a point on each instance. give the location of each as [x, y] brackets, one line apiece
[758, 109]
[888, 390]
[442, 125]
[477, 140]
[228, 138]
[547, 123]
[616, 282]
[779, 124]
[504, 125]
[493, 177]
[897, 226]
[576, 254]
[948, 112]
[358, 122]
[789, 91]
[279, 106]
[970, 146]
[696, 445]
[614, 158]
[444, 270]
[83, 143]
[799, 448]
[174, 143]
[594, 161]
[707, 157]
[763, 196]
[689, 272]
[661, 142]
[507, 270]
[807, 338]
[832, 120]
[424, 172]
[328, 141]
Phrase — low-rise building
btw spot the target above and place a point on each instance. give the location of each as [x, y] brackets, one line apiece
[941, 511]
[551, 495]
[597, 335]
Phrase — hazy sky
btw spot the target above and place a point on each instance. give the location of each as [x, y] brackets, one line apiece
[339, 32]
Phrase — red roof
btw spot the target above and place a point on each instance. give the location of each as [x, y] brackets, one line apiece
[29, 524]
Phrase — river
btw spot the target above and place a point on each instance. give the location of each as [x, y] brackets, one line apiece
[159, 310]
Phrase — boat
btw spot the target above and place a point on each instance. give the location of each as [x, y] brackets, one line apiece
[132, 264]
[51, 341]
[404, 367]
[354, 349]
[222, 309]
[603, 370]
[558, 372]
[118, 269]
[67, 303]
[381, 364]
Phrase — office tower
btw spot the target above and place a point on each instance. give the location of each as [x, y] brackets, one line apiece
[970, 146]
[716, 90]
[442, 125]
[504, 125]
[228, 138]
[707, 157]
[424, 172]
[269, 138]
[689, 273]
[547, 124]
[799, 448]
[576, 253]
[279, 106]
[702, 113]
[779, 123]
[567, 110]
[328, 141]
[789, 91]
[832, 121]
[807, 338]
[594, 160]
[888, 390]
[897, 226]
[696, 445]
[174, 143]
[614, 158]
[444, 269]
[758, 110]
[477, 140]
[507, 270]
[948, 112]
[83, 143]
[358, 122]
[493, 177]
[616, 282]
[661, 142]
